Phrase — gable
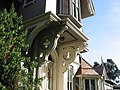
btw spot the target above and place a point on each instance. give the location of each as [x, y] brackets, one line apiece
[101, 70]
[87, 69]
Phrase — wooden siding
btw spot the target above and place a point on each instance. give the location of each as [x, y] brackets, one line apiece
[86, 69]
[32, 10]
[5, 4]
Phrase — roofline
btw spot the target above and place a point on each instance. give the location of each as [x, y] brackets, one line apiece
[90, 65]
[88, 75]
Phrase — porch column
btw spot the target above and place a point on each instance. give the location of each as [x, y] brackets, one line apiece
[67, 54]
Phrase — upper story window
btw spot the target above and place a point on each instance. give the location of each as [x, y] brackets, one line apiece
[73, 8]
[76, 9]
[69, 7]
[27, 2]
[90, 84]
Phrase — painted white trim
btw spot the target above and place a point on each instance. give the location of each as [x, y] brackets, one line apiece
[51, 6]
[96, 83]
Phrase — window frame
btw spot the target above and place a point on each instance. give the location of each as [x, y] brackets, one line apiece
[75, 9]
[25, 3]
[61, 5]
[70, 78]
[90, 79]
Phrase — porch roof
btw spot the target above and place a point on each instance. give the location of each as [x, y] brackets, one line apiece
[49, 20]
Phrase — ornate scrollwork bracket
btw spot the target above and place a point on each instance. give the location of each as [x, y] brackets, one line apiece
[47, 41]
[69, 53]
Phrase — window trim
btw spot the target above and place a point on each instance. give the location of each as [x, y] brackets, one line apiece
[96, 84]
[25, 3]
[77, 8]
[69, 11]
[70, 78]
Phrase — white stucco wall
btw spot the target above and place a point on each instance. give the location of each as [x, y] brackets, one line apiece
[65, 80]
[51, 6]
[75, 65]
[108, 86]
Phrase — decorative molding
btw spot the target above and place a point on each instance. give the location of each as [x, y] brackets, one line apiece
[79, 46]
[69, 53]
[48, 42]
[28, 2]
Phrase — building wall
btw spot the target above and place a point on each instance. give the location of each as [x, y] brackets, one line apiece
[51, 6]
[108, 86]
[4, 4]
[101, 85]
[34, 9]
[57, 80]
[70, 74]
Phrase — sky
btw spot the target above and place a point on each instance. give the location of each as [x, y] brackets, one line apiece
[103, 31]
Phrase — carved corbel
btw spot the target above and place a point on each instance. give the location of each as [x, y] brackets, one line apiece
[69, 52]
[47, 44]
[83, 47]
[67, 55]
[47, 41]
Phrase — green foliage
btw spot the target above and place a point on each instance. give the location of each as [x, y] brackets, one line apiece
[96, 64]
[14, 75]
[112, 70]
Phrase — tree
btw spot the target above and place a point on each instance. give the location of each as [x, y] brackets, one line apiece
[112, 70]
[13, 73]
[96, 64]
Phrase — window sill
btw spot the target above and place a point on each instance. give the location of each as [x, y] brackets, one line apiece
[74, 20]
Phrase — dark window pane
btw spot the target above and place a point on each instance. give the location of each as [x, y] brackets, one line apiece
[70, 85]
[70, 79]
[86, 84]
[27, 1]
[92, 84]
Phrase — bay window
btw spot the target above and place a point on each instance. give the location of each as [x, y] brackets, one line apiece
[69, 8]
[76, 9]
[90, 84]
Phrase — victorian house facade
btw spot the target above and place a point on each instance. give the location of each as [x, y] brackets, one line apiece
[88, 77]
[56, 38]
